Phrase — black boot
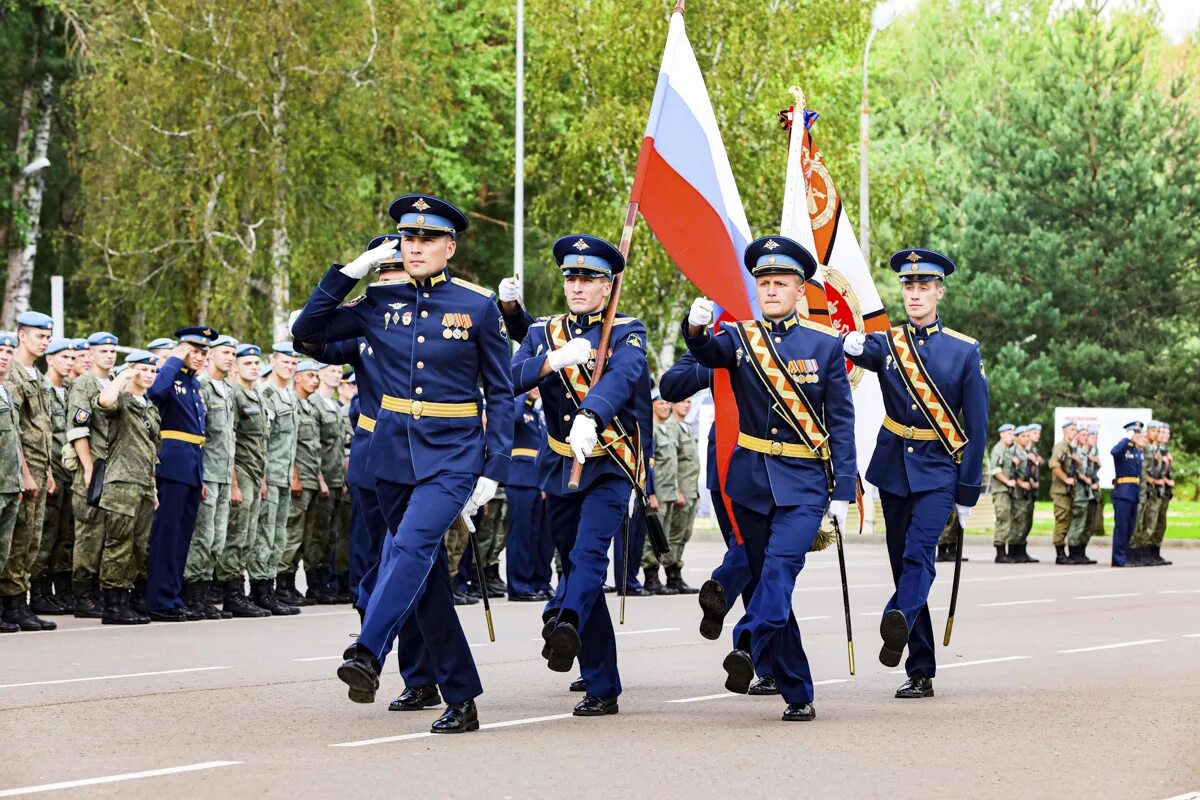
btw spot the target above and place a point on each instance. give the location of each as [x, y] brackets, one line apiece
[343, 592]
[62, 591]
[943, 553]
[1002, 556]
[1156, 555]
[86, 605]
[137, 600]
[1060, 554]
[292, 596]
[117, 610]
[195, 597]
[237, 604]
[1021, 556]
[1081, 554]
[265, 598]
[494, 582]
[318, 586]
[459, 718]
[214, 595]
[18, 612]
[675, 581]
[41, 600]
[5, 625]
[651, 582]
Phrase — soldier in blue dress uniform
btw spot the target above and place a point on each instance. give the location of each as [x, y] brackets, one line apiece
[434, 339]
[557, 356]
[529, 548]
[180, 473]
[927, 463]
[794, 462]
[1127, 460]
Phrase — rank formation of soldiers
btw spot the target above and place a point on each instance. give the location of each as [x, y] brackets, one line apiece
[395, 447]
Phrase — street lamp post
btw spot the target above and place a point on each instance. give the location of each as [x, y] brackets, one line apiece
[881, 17]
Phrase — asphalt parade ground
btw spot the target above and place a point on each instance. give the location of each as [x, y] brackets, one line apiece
[1060, 682]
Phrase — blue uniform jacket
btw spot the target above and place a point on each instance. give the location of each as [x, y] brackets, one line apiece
[176, 392]
[529, 434]
[953, 361]
[788, 481]
[1127, 461]
[685, 378]
[623, 392]
[433, 342]
[364, 406]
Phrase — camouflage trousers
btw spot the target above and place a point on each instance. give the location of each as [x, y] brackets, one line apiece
[127, 541]
[321, 535]
[89, 538]
[8, 521]
[1147, 521]
[677, 523]
[270, 535]
[301, 521]
[208, 540]
[341, 548]
[1160, 527]
[1002, 505]
[1020, 521]
[26, 537]
[1062, 516]
[58, 532]
[458, 539]
[243, 520]
[1083, 518]
[493, 532]
[950, 532]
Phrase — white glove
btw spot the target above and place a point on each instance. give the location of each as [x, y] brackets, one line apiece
[853, 343]
[485, 490]
[362, 265]
[701, 313]
[292, 319]
[583, 438]
[572, 354]
[510, 290]
[964, 513]
[837, 511]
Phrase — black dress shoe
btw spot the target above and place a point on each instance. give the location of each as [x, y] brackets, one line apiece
[740, 671]
[544, 594]
[712, 603]
[167, 615]
[361, 674]
[894, 631]
[522, 597]
[564, 646]
[609, 589]
[579, 685]
[799, 712]
[594, 706]
[547, 629]
[459, 718]
[762, 686]
[416, 698]
[915, 687]
[637, 591]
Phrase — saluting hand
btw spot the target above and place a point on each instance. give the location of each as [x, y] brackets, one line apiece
[362, 265]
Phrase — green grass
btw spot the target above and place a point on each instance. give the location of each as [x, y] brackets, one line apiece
[1183, 519]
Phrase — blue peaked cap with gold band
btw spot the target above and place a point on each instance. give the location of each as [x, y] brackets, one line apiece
[198, 335]
[918, 264]
[396, 262]
[578, 254]
[779, 255]
[426, 215]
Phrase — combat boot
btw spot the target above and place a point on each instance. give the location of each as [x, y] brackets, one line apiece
[1022, 555]
[192, 609]
[196, 600]
[5, 625]
[18, 612]
[943, 553]
[1081, 553]
[1136, 557]
[263, 595]
[343, 595]
[652, 583]
[1156, 556]
[237, 604]
[137, 600]
[214, 594]
[62, 591]
[1002, 556]
[275, 598]
[1060, 555]
[117, 610]
[675, 581]
[86, 606]
[41, 601]
[292, 596]
[494, 582]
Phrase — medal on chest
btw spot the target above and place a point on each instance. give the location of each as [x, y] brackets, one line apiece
[456, 326]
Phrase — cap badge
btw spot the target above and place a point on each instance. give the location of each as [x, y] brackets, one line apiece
[580, 245]
[771, 260]
[771, 245]
[421, 205]
[420, 219]
[913, 257]
[579, 260]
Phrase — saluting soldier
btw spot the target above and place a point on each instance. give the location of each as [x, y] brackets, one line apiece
[1127, 461]
[928, 459]
[129, 486]
[31, 395]
[50, 584]
[435, 338]
[11, 460]
[1002, 486]
[88, 437]
[307, 484]
[1063, 468]
[1086, 497]
[180, 474]
[280, 403]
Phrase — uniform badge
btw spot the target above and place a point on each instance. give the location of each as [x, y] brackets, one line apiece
[421, 205]
[635, 340]
[354, 302]
[580, 245]
[539, 349]
[982, 374]
[456, 326]
[407, 318]
[82, 416]
[738, 356]
[503, 330]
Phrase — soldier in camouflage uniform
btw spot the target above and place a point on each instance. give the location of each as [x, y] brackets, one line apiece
[1022, 504]
[307, 484]
[347, 390]
[83, 358]
[1035, 470]
[665, 493]
[1062, 489]
[493, 533]
[1085, 498]
[31, 396]
[129, 486]
[10, 462]
[88, 436]
[50, 583]
[1149, 499]
[212, 520]
[1159, 528]
[320, 540]
[280, 404]
[687, 494]
[1002, 485]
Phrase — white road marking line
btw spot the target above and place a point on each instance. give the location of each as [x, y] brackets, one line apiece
[127, 776]
[1179, 591]
[1017, 603]
[1107, 596]
[426, 734]
[704, 697]
[109, 677]
[648, 630]
[1191, 636]
[319, 658]
[1111, 646]
[1186, 796]
[972, 663]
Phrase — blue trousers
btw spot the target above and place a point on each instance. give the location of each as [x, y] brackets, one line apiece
[367, 529]
[529, 550]
[584, 525]
[637, 541]
[413, 582]
[1124, 521]
[733, 573]
[170, 538]
[776, 546]
[413, 658]
[914, 523]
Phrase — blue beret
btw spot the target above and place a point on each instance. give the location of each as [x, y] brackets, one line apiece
[1135, 426]
[58, 345]
[101, 338]
[80, 344]
[162, 343]
[248, 350]
[1034, 426]
[1164, 426]
[267, 370]
[308, 365]
[1021, 429]
[1070, 424]
[1008, 426]
[779, 255]
[224, 341]
[426, 215]
[140, 357]
[1153, 425]
[119, 368]
[35, 319]
[8, 339]
[587, 256]
[285, 348]
[396, 261]
[1093, 429]
[199, 335]
[921, 265]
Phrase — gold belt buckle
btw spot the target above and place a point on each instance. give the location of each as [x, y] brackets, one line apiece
[909, 431]
[417, 408]
[776, 448]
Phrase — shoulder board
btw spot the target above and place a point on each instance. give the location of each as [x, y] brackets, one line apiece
[541, 323]
[624, 320]
[957, 335]
[816, 326]
[354, 302]
[474, 287]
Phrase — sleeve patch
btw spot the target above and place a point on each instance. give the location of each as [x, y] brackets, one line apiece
[82, 416]
[635, 340]
[503, 330]
[354, 302]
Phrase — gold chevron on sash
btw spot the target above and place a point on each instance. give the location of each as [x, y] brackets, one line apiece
[926, 393]
[617, 443]
[783, 388]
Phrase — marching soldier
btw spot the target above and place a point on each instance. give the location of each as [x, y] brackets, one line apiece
[1062, 488]
[31, 396]
[927, 463]
[279, 403]
[180, 474]
[1085, 498]
[665, 474]
[50, 584]
[128, 492]
[307, 484]
[88, 437]
[436, 338]
[1002, 487]
[212, 521]
[1167, 489]
[530, 548]
[1127, 461]
[794, 463]
[11, 462]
